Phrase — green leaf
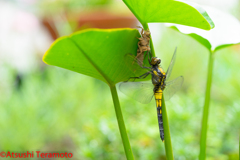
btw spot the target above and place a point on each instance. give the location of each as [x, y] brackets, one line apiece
[171, 12]
[95, 52]
[226, 32]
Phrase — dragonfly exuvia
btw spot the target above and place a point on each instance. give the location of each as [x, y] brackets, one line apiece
[143, 92]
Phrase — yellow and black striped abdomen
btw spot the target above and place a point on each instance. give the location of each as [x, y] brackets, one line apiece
[158, 97]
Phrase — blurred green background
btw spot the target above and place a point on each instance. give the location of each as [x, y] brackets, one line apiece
[51, 109]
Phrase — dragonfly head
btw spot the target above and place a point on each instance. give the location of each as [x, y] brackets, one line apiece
[155, 61]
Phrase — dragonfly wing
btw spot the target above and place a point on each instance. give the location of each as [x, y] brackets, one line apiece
[170, 67]
[141, 92]
[172, 87]
[135, 65]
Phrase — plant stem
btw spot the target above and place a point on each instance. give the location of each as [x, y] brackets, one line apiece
[203, 138]
[121, 125]
[167, 137]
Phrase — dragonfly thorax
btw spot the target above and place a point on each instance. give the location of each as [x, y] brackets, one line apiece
[158, 77]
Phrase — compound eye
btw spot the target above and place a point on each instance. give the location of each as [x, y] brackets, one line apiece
[153, 61]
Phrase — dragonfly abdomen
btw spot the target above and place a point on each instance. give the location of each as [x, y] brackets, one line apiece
[158, 97]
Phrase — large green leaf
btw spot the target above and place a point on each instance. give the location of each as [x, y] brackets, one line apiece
[95, 52]
[170, 11]
[226, 32]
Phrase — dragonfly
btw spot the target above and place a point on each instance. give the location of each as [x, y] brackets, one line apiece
[144, 92]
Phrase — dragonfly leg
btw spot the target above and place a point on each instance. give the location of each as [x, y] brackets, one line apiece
[149, 61]
[146, 54]
[140, 77]
[146, 67]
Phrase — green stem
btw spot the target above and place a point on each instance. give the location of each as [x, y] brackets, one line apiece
[121, 125]
[203, 138]
[167, 137]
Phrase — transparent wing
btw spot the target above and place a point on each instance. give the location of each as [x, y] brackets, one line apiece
[170, 67]
[172, 87]
[141, 92]
[135, 65]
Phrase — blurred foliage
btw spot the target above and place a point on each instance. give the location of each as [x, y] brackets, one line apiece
[59, 110]
[73, 5]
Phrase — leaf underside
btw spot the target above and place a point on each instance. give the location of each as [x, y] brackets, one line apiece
[226, 32]
[170, 11]
[98, 53]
